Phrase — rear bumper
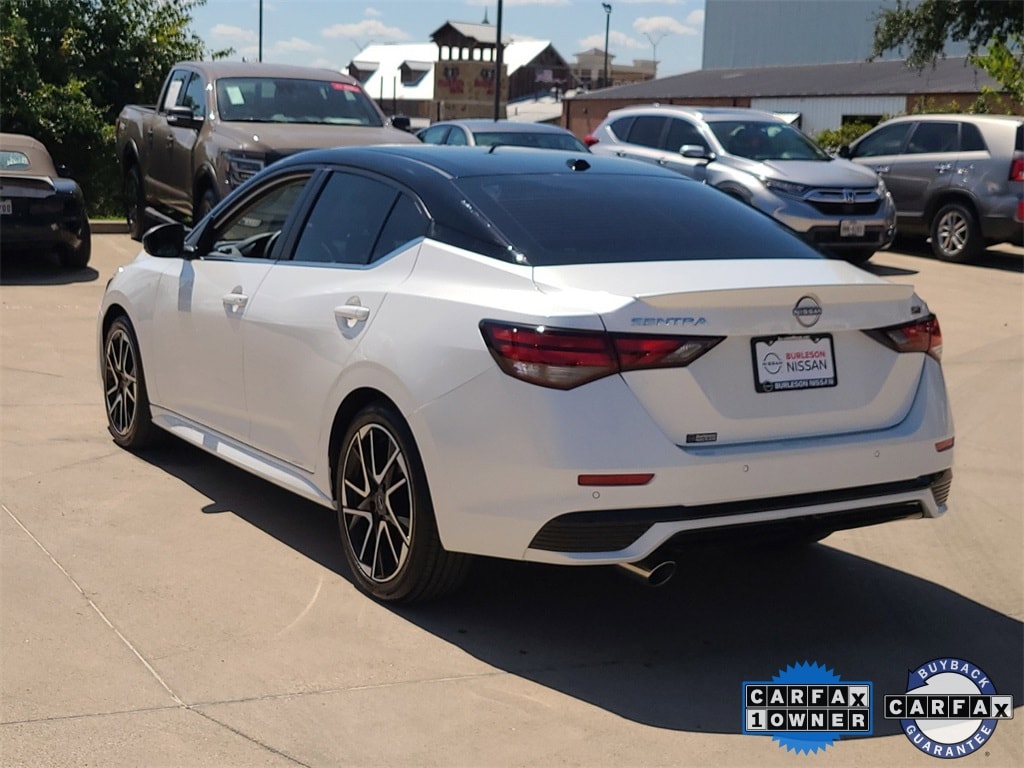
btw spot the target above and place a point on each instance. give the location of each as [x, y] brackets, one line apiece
[38, 233]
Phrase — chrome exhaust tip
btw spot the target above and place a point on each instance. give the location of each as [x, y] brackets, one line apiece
[653, 573]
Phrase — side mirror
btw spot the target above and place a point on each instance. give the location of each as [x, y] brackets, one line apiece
[165, 241]
[844, 151]
[401, 122]
[696, 152]
[183, 117]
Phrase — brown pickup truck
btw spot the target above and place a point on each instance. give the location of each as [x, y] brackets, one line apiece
[218, 123]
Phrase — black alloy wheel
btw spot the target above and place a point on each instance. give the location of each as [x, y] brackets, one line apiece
[124, 388]
[386, 518]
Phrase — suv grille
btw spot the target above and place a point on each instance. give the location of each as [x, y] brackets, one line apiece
[845, 202]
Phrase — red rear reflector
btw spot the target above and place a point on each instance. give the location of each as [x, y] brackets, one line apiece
[590, 140]
[1017, 169]
[918, 336]
[641, 478]
[1020, 211]
[564, 358]
[944, 445]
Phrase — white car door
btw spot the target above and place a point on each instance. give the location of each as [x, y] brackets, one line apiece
[312, 311]
[200, 314]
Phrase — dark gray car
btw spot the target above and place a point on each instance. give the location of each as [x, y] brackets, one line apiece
[958, 179]
[840, 208]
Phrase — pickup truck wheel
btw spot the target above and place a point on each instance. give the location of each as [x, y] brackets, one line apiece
[203, 205]
[135, 203]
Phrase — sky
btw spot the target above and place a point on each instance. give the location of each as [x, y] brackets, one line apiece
[330, 33]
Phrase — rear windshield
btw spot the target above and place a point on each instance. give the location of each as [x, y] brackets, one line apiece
[12, 160]
[288, 100]
[586, 218]
[536, 140]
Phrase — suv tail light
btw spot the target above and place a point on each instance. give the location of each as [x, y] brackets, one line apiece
[562, 358]
[918, 336]
[1017, 169]
[590, 140]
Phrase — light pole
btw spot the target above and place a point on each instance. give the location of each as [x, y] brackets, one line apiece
[654, 40]
[607, 26]
[261, 31]
[499, 54]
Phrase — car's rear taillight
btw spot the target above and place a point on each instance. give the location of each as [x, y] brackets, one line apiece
[1017, 169]
[562, 358]
[918, 336]
[590, 140]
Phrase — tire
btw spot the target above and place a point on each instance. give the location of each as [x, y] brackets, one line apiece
[385, 515]
[956, 235]
[125, 399]
[204, 203]
[135, 203]
[78, 258]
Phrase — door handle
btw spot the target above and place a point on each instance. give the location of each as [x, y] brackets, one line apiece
[882, 169]
[235, 300]
[352, 313]
[620, 154]
[943, 167]
[662, 161]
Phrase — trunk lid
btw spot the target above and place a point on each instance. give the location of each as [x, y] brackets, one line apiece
[794, 361]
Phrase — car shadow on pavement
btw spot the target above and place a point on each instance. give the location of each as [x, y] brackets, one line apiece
[40, 268]
[674, 657]
[1006, 259]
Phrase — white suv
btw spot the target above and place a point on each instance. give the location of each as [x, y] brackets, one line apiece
[837, 206]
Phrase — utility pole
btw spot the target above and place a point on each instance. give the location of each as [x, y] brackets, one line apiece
[607, 26]
[498, 58]
[654, 40]
[261, 31]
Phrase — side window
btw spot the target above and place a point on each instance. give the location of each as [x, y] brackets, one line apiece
[457, 137]
[406, 222]
[646, 131]
[970, 138]
[434, 135]
[933, 137]
[195, 96]
[681, 132]
[174, 88]
[887, 140]
[252, 232]
[346, 220]
[621, 127]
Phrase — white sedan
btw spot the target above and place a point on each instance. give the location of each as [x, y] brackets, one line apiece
[544, 356]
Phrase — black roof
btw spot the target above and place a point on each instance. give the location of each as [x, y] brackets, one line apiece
[418, 160]
[862, 78]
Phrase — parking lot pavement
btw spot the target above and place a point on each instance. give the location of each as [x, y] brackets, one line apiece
[166, 609]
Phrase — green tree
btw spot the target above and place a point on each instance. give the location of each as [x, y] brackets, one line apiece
[69, 66]
[993, 30]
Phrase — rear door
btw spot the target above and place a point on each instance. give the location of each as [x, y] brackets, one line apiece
[312, 311]
[644, 139]
[925, 167]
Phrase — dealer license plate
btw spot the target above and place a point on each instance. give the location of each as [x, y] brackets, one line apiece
[6, 208]
[849, 228]
[784, 363]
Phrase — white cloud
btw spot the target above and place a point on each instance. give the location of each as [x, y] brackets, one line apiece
[662, 24]
[296, 45]
[227, 33]
[695, 18]
[372, 13]
[615, 40]
[367, 28]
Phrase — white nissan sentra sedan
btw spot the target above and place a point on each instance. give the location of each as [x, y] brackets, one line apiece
[543, 356]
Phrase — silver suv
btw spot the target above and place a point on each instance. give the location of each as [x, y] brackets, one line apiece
[837, 206]
[956, 178]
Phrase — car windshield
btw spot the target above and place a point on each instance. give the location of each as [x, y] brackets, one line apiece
[526, 139]
[766, 141]
[592, 218]
[287, 100]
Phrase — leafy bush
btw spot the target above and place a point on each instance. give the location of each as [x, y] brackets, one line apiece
[832, 140]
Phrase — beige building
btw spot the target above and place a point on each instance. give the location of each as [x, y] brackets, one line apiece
[588, 70]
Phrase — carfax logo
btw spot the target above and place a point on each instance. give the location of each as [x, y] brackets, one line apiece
[950, 708]
[806, 707]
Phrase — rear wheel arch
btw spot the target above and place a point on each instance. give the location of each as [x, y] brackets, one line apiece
[353, 403]
[945, 198]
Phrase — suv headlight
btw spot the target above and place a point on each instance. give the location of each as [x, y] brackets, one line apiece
[880, 190]
[786, 187]
[242, 167]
